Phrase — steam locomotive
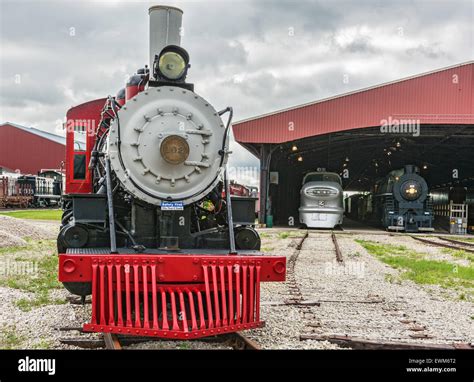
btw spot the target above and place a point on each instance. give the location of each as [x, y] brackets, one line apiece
[149, 228]
[400, 202]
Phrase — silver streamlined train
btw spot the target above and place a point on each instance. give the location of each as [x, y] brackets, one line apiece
[321, 200]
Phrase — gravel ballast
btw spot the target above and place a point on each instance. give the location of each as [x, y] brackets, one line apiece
[358, 301]
[13, 231]
[356, 298]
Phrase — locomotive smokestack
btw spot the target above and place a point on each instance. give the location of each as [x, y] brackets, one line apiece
[411, 169]
[165, 27]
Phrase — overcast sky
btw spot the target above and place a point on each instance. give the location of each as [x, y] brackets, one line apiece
[257, 56]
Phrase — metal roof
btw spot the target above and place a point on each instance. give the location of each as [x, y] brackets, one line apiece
[43, 134]
[442, 96]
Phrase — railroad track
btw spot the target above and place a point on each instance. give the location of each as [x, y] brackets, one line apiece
[339, 257]
[361, 343]
[295, 292]
[111, 341]
[457, 244]
[240, 342]
[313, 328]
[295, 295]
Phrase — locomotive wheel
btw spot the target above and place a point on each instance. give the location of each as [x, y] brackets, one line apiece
[247, 238]
[79, 289]
[74, 236]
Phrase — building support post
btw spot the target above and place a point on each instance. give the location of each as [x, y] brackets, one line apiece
[264, 177]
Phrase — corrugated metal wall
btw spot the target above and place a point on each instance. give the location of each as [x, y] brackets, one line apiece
[443, 97]
[27, 152]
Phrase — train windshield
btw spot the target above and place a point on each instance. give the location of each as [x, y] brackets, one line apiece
[322, 177]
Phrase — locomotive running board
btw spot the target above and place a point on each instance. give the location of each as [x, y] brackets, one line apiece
[426, 229]
[395, 228]
[147, 295]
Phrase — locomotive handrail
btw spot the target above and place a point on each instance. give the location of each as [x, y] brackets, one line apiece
[223, 150]
[110, 202]
[230, 220]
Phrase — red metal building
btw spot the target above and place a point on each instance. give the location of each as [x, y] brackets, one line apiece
[346, 132]
[443, 96]
[28, 150]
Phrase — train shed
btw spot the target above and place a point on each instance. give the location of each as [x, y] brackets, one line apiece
[426, 120]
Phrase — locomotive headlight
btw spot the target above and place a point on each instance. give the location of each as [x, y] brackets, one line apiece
[174, 149]
[321, 191]
[173, 63]
[411, 190]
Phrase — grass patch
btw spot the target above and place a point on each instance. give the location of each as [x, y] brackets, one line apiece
[42, 279]
[43, 344]
[10, 339]
[381, 250]
[34, 275]
[35, 246]
[459, 253]
[392, 279]
[422, 271]
[352, 255]
[40, 299]
[291, 235]
[35, 214]
[12, 249]
[466, 239]
[282, 235]
[267, 249]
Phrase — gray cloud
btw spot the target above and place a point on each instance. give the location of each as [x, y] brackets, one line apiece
[432, 52]
[257, 56]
